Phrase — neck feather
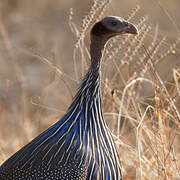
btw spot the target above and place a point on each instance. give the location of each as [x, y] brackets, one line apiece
[90, 86]
[96, 51]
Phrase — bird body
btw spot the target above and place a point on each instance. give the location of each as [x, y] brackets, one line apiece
[79, 146]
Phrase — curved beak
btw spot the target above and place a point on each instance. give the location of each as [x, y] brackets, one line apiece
[131, 29]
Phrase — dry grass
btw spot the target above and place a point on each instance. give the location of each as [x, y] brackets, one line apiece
[146, 129]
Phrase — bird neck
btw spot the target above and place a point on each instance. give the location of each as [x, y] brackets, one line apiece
[89, 90]
[96, 51]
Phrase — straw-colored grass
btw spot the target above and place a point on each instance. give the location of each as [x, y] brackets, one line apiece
[145, 129]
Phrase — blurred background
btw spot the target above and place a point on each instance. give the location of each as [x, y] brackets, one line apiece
[32, 97]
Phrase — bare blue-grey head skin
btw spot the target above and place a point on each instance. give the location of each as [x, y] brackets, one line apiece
[111, 26]
[105, 29]
[79, 146]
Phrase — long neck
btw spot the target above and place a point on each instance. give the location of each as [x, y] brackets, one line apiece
[96, 51]
[90, 86]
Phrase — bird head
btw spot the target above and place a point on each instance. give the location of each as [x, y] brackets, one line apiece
[111, 26]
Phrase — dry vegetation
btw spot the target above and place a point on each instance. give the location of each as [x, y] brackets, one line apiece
[141, 103]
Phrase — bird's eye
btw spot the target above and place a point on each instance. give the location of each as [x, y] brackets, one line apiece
[126, 23]
[113, 23]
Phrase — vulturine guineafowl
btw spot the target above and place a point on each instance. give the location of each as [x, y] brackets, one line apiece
[79, 146]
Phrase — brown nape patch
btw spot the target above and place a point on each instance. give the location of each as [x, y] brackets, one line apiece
[99, 29]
